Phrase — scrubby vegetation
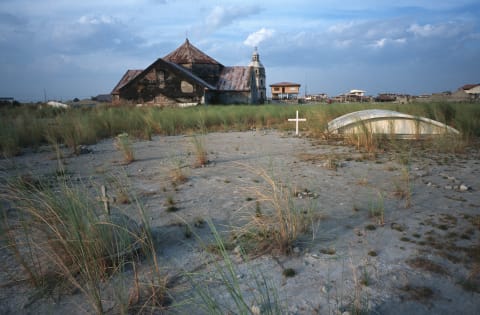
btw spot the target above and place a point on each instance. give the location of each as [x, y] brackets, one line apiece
[27, 126]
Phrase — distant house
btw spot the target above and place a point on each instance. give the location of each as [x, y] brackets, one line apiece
[473, 90]
[6, 100]
[285, 90]
[187, 76]
[466, 93]
[352, 96]
[359, 93]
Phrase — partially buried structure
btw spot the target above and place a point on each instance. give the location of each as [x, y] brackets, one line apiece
[187, 77]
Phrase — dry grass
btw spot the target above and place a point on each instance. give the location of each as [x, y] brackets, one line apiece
[200, 151]
[123, 144]
[426, 265]
[276, 222]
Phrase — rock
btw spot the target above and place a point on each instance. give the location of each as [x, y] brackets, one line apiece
[448, 187]
[83, 149]
[463, 187]
[255, 310]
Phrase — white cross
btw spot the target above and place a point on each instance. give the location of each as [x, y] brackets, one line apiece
[296, 120]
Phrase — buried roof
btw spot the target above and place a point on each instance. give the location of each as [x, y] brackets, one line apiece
[387, 122]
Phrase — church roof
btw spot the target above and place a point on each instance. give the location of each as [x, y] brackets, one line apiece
[127, 77]
[189, 74]
[187, 53]
[234, 79]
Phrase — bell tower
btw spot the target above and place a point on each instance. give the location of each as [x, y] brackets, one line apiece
[260, 78]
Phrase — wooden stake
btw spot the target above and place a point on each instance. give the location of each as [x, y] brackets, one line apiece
[105, 199]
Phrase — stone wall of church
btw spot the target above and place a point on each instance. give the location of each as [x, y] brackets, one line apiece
[162, 86]
[233, 97]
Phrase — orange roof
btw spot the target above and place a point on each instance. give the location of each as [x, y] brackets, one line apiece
[187, 53]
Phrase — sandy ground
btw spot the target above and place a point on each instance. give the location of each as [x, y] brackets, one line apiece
[422, 259]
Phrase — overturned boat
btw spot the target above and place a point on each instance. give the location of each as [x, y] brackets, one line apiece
[380, 121]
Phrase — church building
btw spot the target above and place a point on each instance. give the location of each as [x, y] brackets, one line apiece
[188, 77]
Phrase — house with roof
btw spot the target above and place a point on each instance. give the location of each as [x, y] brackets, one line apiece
[285, 90]
[187, 77]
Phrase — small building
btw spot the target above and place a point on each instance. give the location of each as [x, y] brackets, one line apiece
[352, 96]
[473, 90]
[187, 77]
[285, 90]
[6, 100]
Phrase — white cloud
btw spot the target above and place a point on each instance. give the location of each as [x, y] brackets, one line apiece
[96, 20]
[448, 29]
[255, 38]
[222, 16]
[381, 43]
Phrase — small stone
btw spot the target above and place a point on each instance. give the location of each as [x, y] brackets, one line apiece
[448, 187]
[463, 187]
[429, 184]
[296, 250]
[255, 310]
[82, 149]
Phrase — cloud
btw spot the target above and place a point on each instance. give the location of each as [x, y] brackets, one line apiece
[383, 42]
[255, 38]
[96, 20]
[448, 29]
[221, 16]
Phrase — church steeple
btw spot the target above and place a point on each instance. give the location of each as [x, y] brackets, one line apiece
[260, 78]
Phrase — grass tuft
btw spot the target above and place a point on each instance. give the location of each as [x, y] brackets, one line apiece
[123, 144]
[276, 222]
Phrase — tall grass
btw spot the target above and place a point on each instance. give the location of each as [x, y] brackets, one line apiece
[62, 236]
[29, 126]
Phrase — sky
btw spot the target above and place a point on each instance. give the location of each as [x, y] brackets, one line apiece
[62, 49]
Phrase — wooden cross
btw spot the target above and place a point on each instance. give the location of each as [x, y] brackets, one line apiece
[296, 120]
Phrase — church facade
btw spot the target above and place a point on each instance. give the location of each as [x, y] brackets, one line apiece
[187, 77]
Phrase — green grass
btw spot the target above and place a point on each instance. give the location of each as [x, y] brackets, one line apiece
[29, 126]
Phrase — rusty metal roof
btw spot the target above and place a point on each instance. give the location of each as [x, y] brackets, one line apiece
[285, 84]
[187, 53]
[234, 79]
[127, 77]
